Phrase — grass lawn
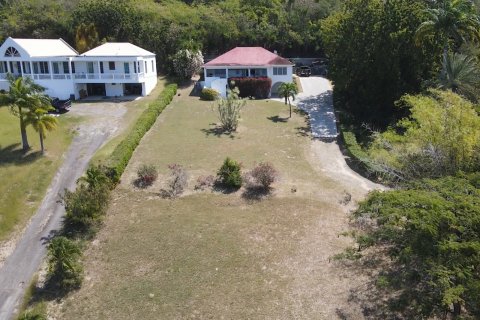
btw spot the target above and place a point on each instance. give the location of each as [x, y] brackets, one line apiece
[209, 255]
[134, 110]
[25, 177]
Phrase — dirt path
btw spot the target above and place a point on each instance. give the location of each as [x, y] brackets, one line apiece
[26, 256]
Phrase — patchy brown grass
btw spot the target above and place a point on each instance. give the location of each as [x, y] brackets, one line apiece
[209, 255]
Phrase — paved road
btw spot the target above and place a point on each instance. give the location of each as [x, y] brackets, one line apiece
[24, 261]
[316, 99]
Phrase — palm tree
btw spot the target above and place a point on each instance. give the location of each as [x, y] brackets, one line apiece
[23, 95]
[461, 74]
[287, 91]
[41, 121]
[451, 20]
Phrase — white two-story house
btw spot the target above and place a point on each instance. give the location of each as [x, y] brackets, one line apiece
[247, 62]
[112, 69]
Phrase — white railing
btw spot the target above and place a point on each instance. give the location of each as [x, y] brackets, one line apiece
[108, 76]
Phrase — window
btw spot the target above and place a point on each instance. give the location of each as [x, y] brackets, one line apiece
[237, 73]
[153, 67]
[279, 71]
[66, 69]
[146, 68]
[217, 73]
[19, 68]
[12, 52]
[258, 72]
[73, 67]
[56, 70]
[101, 67]
[134, 67]
[90, 67]
[40, 67]
[26, 67]
[111, 65]
[3, 68]
[126, 67]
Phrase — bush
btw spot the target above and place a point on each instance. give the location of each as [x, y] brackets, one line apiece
[187, 62]
[146, 176]
[204, 182]
[63, 263]
[229, 174]
[178, 180]
[124, 150]
[262, 176]
[209, 94]
[258, 88]
[229, 110]
[85, 206]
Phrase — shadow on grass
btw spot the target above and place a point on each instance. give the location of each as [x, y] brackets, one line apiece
[218, 132]
[219, 187]
[303, 131]
[277, 119]
[256, 193]
[13, 154]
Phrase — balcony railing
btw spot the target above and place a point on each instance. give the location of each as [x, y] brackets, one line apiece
[109, 76]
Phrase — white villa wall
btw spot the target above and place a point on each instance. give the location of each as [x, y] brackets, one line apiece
[149, 84]
[114, 90]
[61, 89]
[4, 85]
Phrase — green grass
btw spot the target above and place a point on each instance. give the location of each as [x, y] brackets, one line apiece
[206, 254]
[25, 177]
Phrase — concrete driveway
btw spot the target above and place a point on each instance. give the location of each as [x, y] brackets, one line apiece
[100, 124]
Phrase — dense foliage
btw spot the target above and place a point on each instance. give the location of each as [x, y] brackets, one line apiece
[230, 174]
[164, 27]
[374, 59]
[431, 231]
[209, 94]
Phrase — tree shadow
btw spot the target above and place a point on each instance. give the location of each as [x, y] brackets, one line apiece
[303, 131]
[218, 132]
[277, 119]
[13, 154]
[220, 187]
[256, 193]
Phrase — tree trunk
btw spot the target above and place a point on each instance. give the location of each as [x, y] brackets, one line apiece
[41, 143]
[457, 309]
[286, 99]
[290, 105]
[23, 131]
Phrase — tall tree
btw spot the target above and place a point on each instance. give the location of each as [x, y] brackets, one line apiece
[22, 96]
[452, 20]
[287, 91]
[41, 121]
[86, 37]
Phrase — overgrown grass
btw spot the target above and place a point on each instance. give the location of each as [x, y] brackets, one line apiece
[25, 177]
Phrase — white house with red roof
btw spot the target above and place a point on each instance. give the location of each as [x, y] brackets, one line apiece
[111, 69]
[247, 62]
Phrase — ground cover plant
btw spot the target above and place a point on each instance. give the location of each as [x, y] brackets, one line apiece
[146, 176]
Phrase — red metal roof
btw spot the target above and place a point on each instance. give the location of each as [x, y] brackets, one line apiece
[248, 56]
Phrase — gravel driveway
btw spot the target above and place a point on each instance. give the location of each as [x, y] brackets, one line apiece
[99, 125]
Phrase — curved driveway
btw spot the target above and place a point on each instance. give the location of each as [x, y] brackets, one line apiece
[26, 258]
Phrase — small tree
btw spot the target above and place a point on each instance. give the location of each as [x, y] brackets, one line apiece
[178, 180]
[63, 262]
[287, 91]
[41, 121]
[146, 176]
[229, 174]
[187, 62]
[229, 110]
[262, 176]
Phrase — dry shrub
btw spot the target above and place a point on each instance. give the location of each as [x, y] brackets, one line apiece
[205, 182]
[146, 176]
[178, 181]
[261, 176]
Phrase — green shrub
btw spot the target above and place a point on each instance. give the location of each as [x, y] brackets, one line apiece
[64, 267]
[123, 152]
[146, 176]
[228, 110]
[208, 94]
[229, 174]
[37, 312]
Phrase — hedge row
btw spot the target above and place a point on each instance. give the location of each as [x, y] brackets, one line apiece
[259, 88]
[123, 152]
